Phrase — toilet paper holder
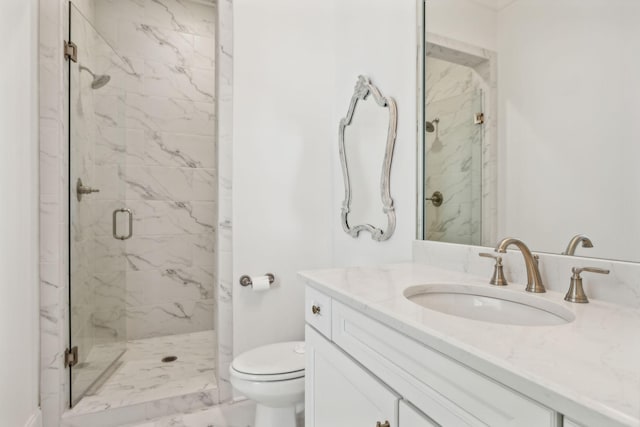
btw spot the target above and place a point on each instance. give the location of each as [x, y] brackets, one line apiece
[245, 280]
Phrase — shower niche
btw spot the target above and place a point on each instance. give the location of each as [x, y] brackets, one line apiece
[142, 203]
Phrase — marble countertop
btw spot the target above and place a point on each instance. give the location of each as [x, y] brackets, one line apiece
[588, 369]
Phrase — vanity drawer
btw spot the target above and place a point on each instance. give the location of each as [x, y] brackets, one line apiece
[318, 311]
[436, 384]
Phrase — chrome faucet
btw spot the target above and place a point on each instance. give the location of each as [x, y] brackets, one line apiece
[534, 281]
[575, 241]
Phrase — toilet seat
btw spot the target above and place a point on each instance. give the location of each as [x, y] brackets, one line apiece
[269, 378]
[273, 362]
[273, 377]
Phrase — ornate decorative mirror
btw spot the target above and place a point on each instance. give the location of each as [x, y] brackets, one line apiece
[367, 136]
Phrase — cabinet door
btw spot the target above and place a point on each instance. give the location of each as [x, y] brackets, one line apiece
[411, 417]
[340, 393]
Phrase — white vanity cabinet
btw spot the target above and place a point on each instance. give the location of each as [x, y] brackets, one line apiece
[361, 372]
[340, 393]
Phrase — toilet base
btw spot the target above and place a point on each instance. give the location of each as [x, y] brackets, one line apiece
[267, 416]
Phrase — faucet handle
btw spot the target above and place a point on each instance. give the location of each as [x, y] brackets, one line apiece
[577, 270]
[576, 292]
[498, 278]
[490, 255]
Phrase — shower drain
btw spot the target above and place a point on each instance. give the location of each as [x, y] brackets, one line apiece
[168, 359]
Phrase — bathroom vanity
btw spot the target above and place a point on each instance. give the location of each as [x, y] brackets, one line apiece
[377, 358]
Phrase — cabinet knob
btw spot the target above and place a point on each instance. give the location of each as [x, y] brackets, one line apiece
[385, 424]
[316, 310]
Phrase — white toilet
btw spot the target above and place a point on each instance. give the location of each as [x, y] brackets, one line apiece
[272, 376]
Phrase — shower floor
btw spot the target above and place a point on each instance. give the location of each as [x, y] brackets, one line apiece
[141, 376]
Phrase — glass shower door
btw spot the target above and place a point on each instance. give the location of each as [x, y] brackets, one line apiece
[98, 222]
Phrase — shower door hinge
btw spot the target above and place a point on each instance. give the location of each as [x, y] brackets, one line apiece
[71, 357]
[71, 51]
[478, 118]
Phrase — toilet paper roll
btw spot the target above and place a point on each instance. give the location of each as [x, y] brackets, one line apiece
[260, 283]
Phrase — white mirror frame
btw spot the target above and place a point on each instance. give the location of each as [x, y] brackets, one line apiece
[363, 88]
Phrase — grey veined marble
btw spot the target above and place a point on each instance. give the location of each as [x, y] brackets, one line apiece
[453, 153]
[154, 127]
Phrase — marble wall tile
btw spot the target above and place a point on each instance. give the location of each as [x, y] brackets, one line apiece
[49, 230]
[162, 217]
[49, 156]
[483, 62]
[176, 317]
[180, 150]
[179, 82]
[164, 183]
[183, 16]
[224, 91]
[158, 286]
[157, 252]
[50, 287]
[203, 52]
[170, 179]
[53, 374]
[108, 108]
[114, 144]
[156, 113]
[146, 41]
[453, 153]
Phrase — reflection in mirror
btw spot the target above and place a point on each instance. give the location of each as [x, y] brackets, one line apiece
[537, 104]
[453, 154]
[367, 137]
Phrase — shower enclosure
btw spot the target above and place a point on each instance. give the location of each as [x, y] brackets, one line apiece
[142, 210]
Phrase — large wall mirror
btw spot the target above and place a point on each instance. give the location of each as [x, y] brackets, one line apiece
[531, 124]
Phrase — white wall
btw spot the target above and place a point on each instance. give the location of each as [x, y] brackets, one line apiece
[284, 135]
[296, 64]
[462, 20]
[19, 356]
[378, 39]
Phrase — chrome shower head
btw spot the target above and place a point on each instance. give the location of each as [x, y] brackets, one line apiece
[99, 80]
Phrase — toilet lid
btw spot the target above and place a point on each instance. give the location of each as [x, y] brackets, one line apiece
[272, 359]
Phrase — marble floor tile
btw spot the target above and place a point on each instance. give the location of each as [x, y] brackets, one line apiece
[239, 414]
[141, 376]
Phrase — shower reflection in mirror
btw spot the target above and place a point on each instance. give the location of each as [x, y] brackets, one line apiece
[457, 168]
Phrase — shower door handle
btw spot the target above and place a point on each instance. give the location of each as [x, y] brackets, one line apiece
[115, 227]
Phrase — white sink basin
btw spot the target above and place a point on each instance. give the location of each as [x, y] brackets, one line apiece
[489, 304]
